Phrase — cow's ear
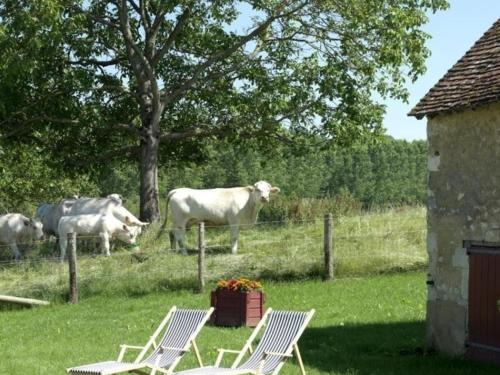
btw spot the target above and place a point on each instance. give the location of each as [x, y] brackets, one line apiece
[250, 188]
[275, 189]
[26, 222]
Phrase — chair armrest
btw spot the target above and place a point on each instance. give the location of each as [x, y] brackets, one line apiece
[163, 348]
[221, 354]
[229, 351]
[123, 349]
[266, 354]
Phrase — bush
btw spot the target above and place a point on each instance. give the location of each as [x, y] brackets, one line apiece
[295, 210]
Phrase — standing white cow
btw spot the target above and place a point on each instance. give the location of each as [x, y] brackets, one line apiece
[106, 226]
[16, 229]
[233, 206]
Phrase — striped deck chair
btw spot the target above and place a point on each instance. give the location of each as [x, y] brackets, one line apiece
[182, 327]
[279, 339]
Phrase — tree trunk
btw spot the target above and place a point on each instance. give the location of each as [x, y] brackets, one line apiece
[149, 203]
[150, 143]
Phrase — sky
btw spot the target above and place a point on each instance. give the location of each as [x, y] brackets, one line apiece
[453, 32]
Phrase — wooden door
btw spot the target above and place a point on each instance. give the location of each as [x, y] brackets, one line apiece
[484, 303]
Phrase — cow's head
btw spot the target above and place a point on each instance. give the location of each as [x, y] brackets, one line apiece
[35, 227]
[262, 190]
[126, 234]
[116, 198]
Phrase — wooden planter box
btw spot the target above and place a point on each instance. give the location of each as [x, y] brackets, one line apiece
[234, 309]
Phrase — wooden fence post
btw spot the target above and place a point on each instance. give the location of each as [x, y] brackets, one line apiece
[73, 285]
[328, 246]
[201, 257]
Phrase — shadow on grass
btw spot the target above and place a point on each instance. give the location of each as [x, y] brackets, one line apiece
[210, 250]
[395, 348]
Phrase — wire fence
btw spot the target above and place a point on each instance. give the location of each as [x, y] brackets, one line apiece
[266, 251]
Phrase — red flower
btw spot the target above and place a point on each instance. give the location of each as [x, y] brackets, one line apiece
[239, 285]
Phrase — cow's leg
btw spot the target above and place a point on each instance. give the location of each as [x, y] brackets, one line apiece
[63, 242]
[173, 241]
[56, 243]
[15, 250]
[179, 233]
[180, 237]
[234, 238]
[105, 243]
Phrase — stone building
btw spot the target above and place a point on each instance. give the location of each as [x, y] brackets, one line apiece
[463, 219]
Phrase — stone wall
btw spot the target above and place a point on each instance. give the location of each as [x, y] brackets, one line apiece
[463, 204]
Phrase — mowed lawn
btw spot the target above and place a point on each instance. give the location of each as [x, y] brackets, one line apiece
[372, 325]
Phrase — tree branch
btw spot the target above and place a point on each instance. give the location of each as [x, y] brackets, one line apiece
[194, 132]
[104, 63]
[133, 48]
[24, 127]
[155, 27]
[222, 55]
[181, 21]
[135, 6]
[122, 152]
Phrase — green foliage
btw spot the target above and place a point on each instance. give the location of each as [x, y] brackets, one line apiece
[296, 210]
[28, 177]
[312, 182]
[315, 181]
[87, 87]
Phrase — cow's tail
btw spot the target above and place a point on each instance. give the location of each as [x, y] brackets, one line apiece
[164, 225]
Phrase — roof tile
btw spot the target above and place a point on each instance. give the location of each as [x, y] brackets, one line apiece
[473, 81]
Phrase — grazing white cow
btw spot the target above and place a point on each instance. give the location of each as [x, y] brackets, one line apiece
[106, 226]
[116, 197]
[44, 213]
[111, 205]
[16, 229]
[233, 206]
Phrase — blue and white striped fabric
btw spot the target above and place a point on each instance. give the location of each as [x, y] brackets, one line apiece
[281, 333]
[180, 329]
[279, 336]
[183, 324]
[105, 368]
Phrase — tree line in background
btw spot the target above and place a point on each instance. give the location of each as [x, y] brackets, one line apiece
[341, 180]
[386, 173]
[314, 181]
[391, 172]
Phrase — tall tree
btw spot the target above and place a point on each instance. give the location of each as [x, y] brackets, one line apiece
[155, 80]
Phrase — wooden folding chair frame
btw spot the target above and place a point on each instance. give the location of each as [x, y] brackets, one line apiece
[138, 365]
[293, 348]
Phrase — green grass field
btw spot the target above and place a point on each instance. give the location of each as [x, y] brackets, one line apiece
[370, 320]
[370, 325]
[374, 243]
